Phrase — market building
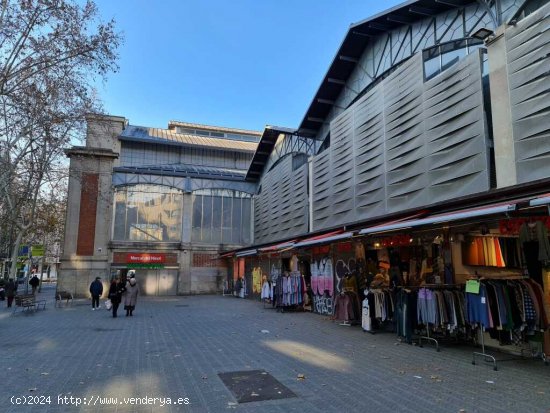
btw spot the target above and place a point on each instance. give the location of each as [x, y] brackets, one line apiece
[159, 202]
[419, 175]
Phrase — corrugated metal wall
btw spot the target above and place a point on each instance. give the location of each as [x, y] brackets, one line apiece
[281, 209]
[528, 48]
[405, 144]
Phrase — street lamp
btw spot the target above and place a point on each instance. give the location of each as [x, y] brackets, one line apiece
[483, 34]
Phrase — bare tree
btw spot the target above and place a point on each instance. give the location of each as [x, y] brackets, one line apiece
[51, 53]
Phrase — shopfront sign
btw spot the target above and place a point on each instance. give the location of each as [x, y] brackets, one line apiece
[325, 249]
[145, 258]
[344, 247]
[146, 266]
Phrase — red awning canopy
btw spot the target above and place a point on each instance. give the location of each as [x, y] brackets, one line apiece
[320, 239]
[441, 218]
[277, 247]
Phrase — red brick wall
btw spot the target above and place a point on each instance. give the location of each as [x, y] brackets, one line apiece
[88, 209]
[208, 260]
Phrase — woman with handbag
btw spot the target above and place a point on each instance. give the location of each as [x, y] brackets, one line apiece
[115, 294]
[130, 296]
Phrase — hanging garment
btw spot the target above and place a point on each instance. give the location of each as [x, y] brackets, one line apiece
[536, 231]
[314, 276]
[477, 307]
[342, 307]
[266, 291]
[321, 279]
[366, 323]
[500, 262]
[426, 307]
[359, 251]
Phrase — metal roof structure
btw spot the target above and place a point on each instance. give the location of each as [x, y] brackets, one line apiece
[169, 137]
[213, 128]
[186, 170]
[265, 146]
[354, 44]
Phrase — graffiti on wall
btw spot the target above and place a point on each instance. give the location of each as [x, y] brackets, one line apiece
[323, 304]
[322, 285]
[342, 268]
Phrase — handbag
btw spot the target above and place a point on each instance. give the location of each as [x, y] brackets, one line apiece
[108, 304]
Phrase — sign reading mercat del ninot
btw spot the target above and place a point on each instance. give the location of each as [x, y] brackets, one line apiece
[145, 258]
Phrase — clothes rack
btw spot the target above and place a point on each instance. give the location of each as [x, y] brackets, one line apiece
[482, 353]
[511, 309]
[423, 292]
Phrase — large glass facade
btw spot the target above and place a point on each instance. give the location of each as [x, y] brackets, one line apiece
[150, 213]
[221, 217]
[439, 58]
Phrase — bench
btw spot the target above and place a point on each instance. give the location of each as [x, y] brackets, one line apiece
[28, 302]
[62, 295]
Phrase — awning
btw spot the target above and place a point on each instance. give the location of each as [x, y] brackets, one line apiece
[246, 253]
[542, 200]
[321, 239]
[441, 218]
[277, 247]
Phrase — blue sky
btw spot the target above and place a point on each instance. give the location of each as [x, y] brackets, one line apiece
[234, 63]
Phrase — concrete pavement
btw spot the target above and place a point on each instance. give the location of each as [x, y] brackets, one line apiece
[174, 348]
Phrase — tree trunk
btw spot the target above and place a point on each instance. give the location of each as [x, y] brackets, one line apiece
[15, 255]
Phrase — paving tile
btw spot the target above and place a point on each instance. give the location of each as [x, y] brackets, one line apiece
[170, 351]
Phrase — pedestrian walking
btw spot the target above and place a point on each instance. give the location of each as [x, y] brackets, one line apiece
[115, 294]
[130, 296]
[10, 288]
[96, 289]
[34, 282]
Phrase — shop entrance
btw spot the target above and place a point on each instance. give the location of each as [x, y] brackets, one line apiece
[155, 282]
[158, 282]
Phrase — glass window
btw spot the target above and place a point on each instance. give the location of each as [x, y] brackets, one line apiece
[246, 221]
[206, 218]
[236, 219]
[197, 218]
[186, 131]
[226, 219]
[149, 213]
[450, 58]
[217, 219]
[120, 215]
[441, 57]
[432, 67]
[220, 217]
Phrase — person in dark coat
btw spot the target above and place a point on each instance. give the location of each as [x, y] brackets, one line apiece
[115, 294]
[10, 288]
[96, 289]
[34, 282]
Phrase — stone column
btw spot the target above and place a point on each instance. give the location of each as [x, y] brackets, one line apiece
[89, 205]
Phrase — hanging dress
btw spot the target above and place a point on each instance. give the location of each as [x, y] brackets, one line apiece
[314, 276]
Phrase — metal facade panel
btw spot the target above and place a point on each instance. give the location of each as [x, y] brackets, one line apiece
[458, 159]
[405, 144]
[405, 140]
[321, 190]
[342, 171]
[528, 48]
[370, 155]
[281, 207]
